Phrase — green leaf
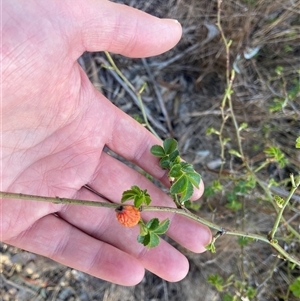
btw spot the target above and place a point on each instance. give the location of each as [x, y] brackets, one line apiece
[228, 297]
[298, 142]
[154, 240]
[209, 191]
[235, 153]
[138, 201]
[279, 201]
[143, 229]
[147, 199]
[217, 186]
[170, 145]
[165, 162]
[251, 292]
[174, 157]
[225, 140]
[162, 227]
[180, 185]
[144, 239]
[234, 205]
[157, 151]
[278, 104]
[127, 196]
[187, 167]
[149, 232]
[175, 171]
[149, 240]
[212, 189]
[136, 189]
[137, 195]
[194, 178]
[217, 281]
[152, 224]
[130, 194]
[187, 193]
[279, 70]
[192, 205]
[142, 198]
[210, 130]
[274, 153]
[243, 126]
[295, 287]
[211, 247]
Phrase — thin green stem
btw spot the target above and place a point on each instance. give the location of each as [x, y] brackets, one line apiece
[138, 94]
[280, 213]
[261, 166]
[118, 71]
[270, 197]
[211, 225]
[56, 200]
[176, 200]
[184, 212]
[229, 81]
[226, 43]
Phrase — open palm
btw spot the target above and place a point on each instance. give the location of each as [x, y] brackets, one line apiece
[55, 126]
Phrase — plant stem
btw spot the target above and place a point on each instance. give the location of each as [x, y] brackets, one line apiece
[211, 225]
[184, 212]
[279, 214]
[55, 200]
[270, 197]
[138, 95]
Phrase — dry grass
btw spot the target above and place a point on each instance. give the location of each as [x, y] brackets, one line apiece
[185, 89]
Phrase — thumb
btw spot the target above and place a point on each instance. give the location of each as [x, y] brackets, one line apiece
[106, 26]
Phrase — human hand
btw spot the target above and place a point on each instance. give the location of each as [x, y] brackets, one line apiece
[55, 125]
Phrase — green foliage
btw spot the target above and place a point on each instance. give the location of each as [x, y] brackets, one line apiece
[232, 201]
[291, 89]
[242, 289]
[217, 281]
[251, 292]
[279, 201]
[275, 154]
[297, 142]
[138, 196]
[295, 287]
[186, 178]
[294, 90]
[211, 247]
[182, 175]
[235, 153]
[278, 70]
[210, 130]
[168, 153]
[215, 187]
[149, 232]
[138, 118]
[278, 104]
[192, 205]
[228, 297]
[242, 187]
[243, 126]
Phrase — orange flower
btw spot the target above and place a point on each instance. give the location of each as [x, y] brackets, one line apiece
[128, 215]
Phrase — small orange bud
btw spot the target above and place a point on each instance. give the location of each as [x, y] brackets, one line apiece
[128, 215]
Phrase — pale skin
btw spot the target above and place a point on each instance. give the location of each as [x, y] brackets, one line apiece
[55, 125]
